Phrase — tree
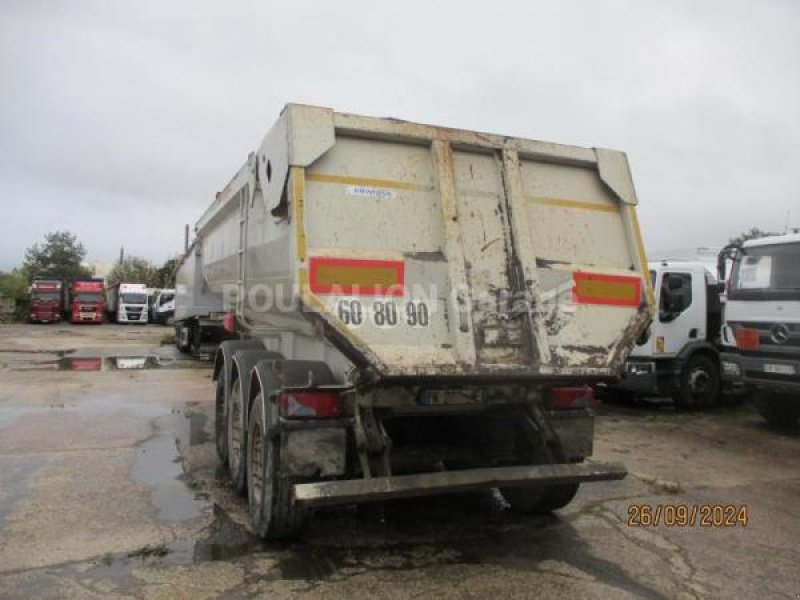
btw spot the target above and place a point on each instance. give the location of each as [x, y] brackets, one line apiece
[751, 234]
[133, 269]
[164, 276]
[59, 257]
[14, 284]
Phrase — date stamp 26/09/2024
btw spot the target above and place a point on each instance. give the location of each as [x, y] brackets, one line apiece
[688, 515]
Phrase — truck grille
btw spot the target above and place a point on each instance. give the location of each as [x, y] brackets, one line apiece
[774, 336]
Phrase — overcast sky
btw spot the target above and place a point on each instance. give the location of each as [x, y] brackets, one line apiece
[120, 120]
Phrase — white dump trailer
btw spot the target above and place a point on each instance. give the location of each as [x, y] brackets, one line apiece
[420, 310]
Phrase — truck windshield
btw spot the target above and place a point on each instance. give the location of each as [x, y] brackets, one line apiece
[767, 273]
[134, 298]
[46, 296]
[87, 297]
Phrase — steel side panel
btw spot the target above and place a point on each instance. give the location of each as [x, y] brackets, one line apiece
[331, 493]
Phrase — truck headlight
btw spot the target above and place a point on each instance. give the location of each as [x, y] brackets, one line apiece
[731, 368]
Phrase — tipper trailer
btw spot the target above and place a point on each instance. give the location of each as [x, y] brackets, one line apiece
[421, 310]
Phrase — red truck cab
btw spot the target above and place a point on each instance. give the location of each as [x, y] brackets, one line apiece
[46, 300]
[87, 301]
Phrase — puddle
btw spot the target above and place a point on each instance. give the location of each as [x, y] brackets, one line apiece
[108, 363]
[159, 464]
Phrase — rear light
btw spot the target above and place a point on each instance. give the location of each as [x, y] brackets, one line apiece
[229, 322]
[313, 405]
[746, 339]
[572, 397]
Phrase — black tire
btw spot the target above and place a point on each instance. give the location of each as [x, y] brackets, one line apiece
[273, 513]
[700, 384]
[220, 422]
[780, 412]
[525, 499]
[539, 499]
[558, 496]
[237, 438]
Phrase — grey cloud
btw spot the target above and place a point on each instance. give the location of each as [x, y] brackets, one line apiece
[121, 120]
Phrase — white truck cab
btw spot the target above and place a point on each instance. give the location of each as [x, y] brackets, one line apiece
[132, 303]
[761, 329]
[163, 308]
[680, 357]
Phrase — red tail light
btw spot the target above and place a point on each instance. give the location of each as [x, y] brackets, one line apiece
[746, 339]
[229, 322]
[309, 405]
[572, 397]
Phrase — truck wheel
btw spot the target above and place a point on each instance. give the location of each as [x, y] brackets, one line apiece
[237, 464]
[220, 424]
[699, 384]
[778, 411]
[273, 514]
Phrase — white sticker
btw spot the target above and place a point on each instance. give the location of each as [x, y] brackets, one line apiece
[370, 192]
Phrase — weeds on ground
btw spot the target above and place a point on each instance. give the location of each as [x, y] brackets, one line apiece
[149, 550]
[168, 339]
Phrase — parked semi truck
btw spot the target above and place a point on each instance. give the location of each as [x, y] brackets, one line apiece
[761, 330]
[46, 300]
[420, 310]
[127, 303]
[679, 357]
[86, 301]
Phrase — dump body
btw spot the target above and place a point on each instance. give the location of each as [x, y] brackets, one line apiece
[86, 301]
[46, 300]
[422, 251]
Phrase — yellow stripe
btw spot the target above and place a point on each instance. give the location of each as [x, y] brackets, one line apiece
[622, 291]
[351, 275]
[298, 193]
[634, 219]
[368, 181]
[580, 204]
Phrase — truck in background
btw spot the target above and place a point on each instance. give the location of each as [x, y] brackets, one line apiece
[86, 301]
[127, 303]
[162, 308]
[421, 311]
[761, 327]
[199, 314]
[680, 355]
[46, 300]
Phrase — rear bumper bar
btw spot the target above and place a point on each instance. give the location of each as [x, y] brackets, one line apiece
[332, 493]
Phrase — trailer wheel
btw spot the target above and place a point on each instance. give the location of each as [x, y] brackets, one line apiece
[237, 464]
[273, 514]
[558, 496]
[699, 383]
[220, 424]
